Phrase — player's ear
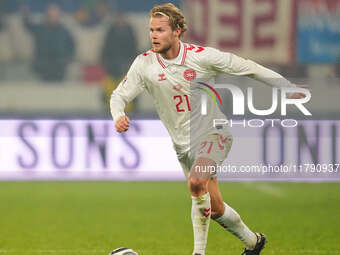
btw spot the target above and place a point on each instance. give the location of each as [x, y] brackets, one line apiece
[178, 31]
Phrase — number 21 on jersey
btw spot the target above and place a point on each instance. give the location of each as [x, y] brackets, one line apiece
[183, 103]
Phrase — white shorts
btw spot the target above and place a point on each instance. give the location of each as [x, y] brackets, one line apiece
[213, 146]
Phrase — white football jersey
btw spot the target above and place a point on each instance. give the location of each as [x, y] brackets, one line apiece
[168, 82]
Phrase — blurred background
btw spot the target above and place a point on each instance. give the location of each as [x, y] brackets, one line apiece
[56, 51]
[61, 59]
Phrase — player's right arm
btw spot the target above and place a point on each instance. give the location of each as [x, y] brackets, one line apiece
[122, 124]
[126, 91]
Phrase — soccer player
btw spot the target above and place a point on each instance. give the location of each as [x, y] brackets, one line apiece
[166, 72]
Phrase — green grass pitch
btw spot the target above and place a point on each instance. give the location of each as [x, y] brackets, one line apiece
[154, 217]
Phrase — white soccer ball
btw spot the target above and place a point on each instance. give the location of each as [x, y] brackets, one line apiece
[123, 251]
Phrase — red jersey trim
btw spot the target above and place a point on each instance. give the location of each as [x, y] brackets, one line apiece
[160, 61]
[184, 54]
[183, 57]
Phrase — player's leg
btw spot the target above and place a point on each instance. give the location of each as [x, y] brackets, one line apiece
[213, 148]
[198, 179]
[222, 213]
[228, 218]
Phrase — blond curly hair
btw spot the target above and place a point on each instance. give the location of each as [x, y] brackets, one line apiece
[175, 16]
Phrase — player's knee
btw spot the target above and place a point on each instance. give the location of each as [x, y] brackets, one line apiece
[197, 185]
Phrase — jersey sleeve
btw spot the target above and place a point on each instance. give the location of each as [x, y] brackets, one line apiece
[127, 90]
[225, 62]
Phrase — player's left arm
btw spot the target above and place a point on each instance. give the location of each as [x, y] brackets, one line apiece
[241, 66]
[299, 95]
[224, 62]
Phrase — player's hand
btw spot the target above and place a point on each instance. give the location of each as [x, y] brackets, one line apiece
[299, 95]
[122, 124]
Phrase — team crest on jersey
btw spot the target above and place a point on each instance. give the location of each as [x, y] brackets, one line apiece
[190, 74]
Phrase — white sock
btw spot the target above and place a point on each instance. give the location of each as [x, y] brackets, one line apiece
[200, 216]
[232, 221]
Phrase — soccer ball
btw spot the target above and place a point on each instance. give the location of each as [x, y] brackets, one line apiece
[123, 251]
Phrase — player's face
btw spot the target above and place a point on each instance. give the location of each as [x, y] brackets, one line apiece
[161, 34]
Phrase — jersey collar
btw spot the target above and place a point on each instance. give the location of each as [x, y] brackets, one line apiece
[179, 60]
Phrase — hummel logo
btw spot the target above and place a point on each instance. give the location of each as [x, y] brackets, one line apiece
[161, 77]
[205, 212]
[199, 48]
